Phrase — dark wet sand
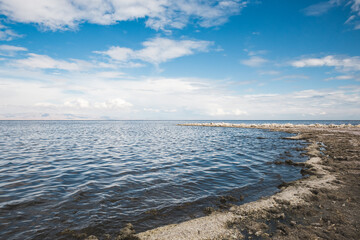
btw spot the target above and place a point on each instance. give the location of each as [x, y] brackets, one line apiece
[325, 204]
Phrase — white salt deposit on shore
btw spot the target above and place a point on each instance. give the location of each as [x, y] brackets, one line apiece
[270, 125]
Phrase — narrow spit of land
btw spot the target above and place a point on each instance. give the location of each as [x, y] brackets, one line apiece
[325, 204]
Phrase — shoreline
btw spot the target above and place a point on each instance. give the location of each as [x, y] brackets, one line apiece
[300, 210]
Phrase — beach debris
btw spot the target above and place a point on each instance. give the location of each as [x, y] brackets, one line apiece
[227, 198]
[73, 233]
[153, 212]
[256, 228]
[284, 184]
[91, 237]
[289, 162]
[127, 233]
[225, 201]
[308, 171]
[282, 229]
[67, 231]
[209, 210]
[107, 236]
[222, 200]
[260, 138]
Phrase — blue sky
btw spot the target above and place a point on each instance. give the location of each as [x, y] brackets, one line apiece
[186, 59]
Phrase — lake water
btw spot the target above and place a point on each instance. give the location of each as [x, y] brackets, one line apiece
[93, 177]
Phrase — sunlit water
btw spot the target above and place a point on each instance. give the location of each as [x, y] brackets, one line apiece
[95, 176]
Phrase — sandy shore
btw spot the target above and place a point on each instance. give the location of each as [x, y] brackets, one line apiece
[325, 204]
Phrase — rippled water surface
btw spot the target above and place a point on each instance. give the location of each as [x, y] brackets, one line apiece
[94, 176]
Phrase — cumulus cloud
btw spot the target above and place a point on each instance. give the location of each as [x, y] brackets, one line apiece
[340, 63]
[157, 50]
[159, 14]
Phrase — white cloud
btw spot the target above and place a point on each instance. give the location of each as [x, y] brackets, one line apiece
[287, 77]
[68, 14]
[157, 50]
[11, 48]
[355, 7]
[254, 61]
[321, 8]
[254, 53]
[109, 75]
[350, 19]
[152, 110]
[271, 72]
[216, 111]
[160, 110]
[46, 62]
[340, 63]
[115, 103]
[166, 86]
[77, 103]
[161, 50]
[7, 34]
[37, 61]
[118, 53]
[8, 50]
[343, 77]
[28, 94]
[354, 19]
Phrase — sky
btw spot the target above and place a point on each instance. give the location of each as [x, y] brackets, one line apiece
[180, 59]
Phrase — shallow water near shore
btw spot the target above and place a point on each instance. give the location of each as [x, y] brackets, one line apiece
[94, 176]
